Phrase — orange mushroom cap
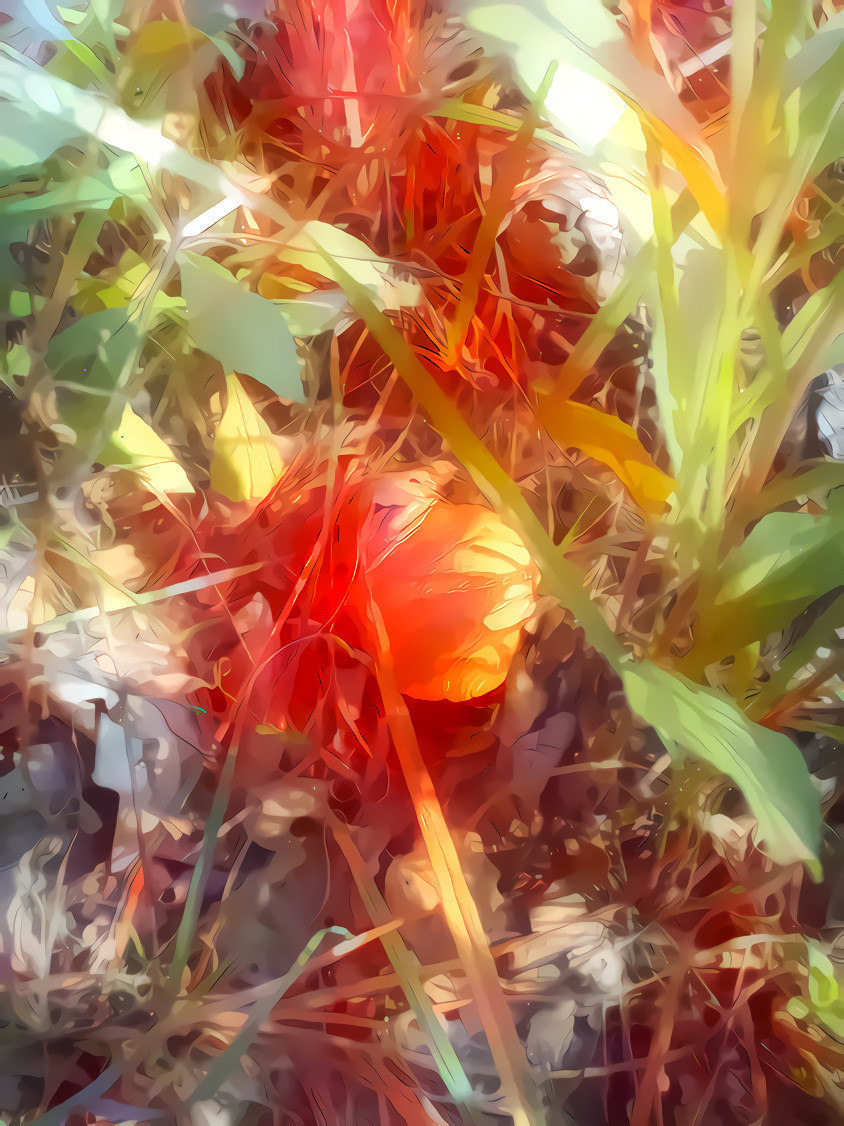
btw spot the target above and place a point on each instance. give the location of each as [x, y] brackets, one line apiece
[454, 587]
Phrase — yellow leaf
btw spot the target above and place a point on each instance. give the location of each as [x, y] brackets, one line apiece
[161, 38]
[133, 270]
[246, 462]
[135, 445]
[159, 51]
[279, 288]
[611, 442]
[704, 181]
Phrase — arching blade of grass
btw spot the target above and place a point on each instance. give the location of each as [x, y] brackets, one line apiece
[228, 1060]
[765, 764]
[199, 877]
[459, 908]
[407, 967]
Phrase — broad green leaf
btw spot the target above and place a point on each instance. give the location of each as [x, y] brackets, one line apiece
[28, 138]
[765, 765]
[73, 17]
[86, 193]
[779, 546]
[89, 361]
[135, 445]
[126, 177]
[246, 464]
[787, 560]
[106, 338]
[241, 329]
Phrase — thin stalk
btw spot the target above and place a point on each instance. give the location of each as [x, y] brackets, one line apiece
[410, 974]
[459, 908]
[228, 1060]
[499, 203]
[190, 915]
